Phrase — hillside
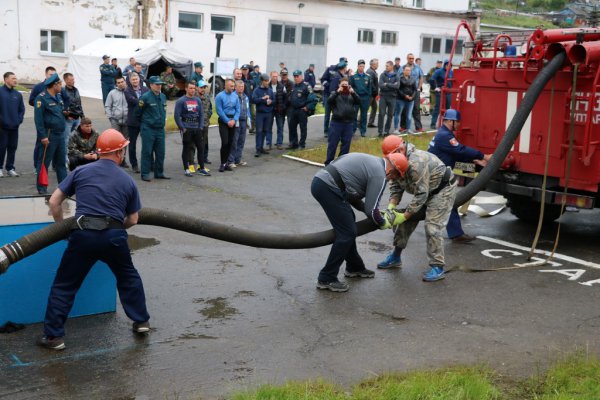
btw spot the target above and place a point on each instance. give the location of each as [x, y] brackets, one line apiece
[517, 12]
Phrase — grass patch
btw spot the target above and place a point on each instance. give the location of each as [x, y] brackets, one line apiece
[522, 21]
[361, 145]
[577, 377]
[18, 87]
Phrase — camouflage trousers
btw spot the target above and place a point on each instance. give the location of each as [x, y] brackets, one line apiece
[437, 212]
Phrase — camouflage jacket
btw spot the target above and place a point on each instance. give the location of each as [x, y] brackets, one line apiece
[207, 108]
[425, 173]
[169, 79]
[78, 145]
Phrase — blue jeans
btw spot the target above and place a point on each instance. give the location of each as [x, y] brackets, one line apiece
[362, 108]
[327, 113]
[85, 247]
[401, 105]
[153, 148]
[239, 140]
[9, 140]
[55, 154]
[279, 121]
[338, 132]
[134, 132]
[454, 227]
[340, 215]
[264, 129]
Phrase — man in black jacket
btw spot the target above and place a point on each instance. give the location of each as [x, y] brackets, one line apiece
[372, 72]
[342, 103]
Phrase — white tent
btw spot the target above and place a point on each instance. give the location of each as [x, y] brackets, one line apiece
[84, 63]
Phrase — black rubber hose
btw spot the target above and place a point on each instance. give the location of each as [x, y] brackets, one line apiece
[33, 242]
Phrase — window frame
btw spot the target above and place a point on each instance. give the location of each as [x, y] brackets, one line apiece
[361, 35]
[201, 15]
[49, 52]
[395, 36]
[322, 28]
[282, 25]
[223, 16]
[285, 27]
[415, 5]
[312, 34]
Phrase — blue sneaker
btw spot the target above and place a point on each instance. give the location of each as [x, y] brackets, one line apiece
[434, 274]
[390, 261]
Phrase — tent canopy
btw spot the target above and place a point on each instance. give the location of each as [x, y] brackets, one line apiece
[84, 63]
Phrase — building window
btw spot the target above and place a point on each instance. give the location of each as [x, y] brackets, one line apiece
[221, 23]
[319, 39]
[53, 41]
[110, 35]
[307, 35]
[459, 47]
[418, 3]
[366, 36]
[388, 37]
[276, 32]
[426, 45]
[449, 43]
[391, 2]
[289, 34]
[436, 45]
[190, 21]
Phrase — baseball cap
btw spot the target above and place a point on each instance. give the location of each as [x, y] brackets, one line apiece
[104, 57]
[201, 83]
[284, 71]
[361, 61]
[264, 77]
[245, 66]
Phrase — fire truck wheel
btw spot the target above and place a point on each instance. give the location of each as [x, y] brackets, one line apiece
[528, 210]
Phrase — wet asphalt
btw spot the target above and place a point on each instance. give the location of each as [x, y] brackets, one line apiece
[227, 317]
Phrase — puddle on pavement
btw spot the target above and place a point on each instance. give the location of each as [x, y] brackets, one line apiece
[138, 243]
[196, 336]
[379, 247]
[217, 308]
[245, 293]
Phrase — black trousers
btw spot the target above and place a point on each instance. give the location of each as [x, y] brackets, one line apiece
[192, 139]
[227, 133]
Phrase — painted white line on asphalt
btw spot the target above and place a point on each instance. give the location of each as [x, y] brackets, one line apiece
[558, 256]
[302, 160]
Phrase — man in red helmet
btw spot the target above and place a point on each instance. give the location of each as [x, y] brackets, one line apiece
[107, 204]
[433, 187]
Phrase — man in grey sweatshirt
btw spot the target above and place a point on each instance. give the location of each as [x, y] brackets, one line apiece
[116, 110]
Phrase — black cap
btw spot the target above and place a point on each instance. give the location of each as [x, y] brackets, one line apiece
[245, 66]
[361, 61]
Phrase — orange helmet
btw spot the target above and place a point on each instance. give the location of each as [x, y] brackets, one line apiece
[110, 140]
[396, 162]
[391, 143]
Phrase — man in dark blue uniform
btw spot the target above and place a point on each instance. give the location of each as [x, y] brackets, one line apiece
[309, 76]
[50, 125]
[447, 148]
[152, 113]
[197, 74]
[329, 73]
[107, 204]
[363, 86]
[108, 73]
[302, 103]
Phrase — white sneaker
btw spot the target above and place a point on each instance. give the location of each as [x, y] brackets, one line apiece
[243, 163]
[1, 174]
[12, 172]
[232, 165]
[395, 132]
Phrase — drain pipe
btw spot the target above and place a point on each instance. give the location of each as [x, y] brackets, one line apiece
[33, 242]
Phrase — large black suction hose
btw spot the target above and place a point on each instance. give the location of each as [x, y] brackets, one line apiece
[33, 242]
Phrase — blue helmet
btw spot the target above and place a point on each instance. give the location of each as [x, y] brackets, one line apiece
[452, 115]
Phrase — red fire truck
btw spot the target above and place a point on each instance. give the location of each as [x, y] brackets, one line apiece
[488, 88]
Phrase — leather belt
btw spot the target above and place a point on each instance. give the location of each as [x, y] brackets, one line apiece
[447, 179]
[96, 223]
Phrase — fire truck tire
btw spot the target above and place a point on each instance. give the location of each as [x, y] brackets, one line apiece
[528, 210]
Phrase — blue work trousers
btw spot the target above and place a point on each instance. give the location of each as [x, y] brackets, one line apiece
[342, 219]
[436, 109]
[280, 122]
[454, 226]
[153, 148]
[55, 154]
[9, 140]
[264, 129]
[400, 106]
[338, 132]
[362, 108]
[238, 142]
[85, 247]
[327, 114]
[134, 132]
[297, 116]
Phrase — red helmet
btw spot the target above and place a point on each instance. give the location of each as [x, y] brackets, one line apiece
[391, 143]
[110, 140]
[396, 162]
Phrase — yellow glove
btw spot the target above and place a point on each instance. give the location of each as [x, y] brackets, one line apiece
[386, 223]
[391, 206]
[400, 218]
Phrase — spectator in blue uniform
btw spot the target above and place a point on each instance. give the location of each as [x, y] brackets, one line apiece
[329, 73]
[12, 111]
[263, 97]
[107, 204]
[132, 94]
[362, 84]
[448, 149]
[108, 73]
[302, 104]
[437, 82]
[309, 76]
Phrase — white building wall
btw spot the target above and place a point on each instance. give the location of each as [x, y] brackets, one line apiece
[83, 21]
[438, 5]
[250, 38]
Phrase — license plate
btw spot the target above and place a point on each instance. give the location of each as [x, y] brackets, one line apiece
[465, 167]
